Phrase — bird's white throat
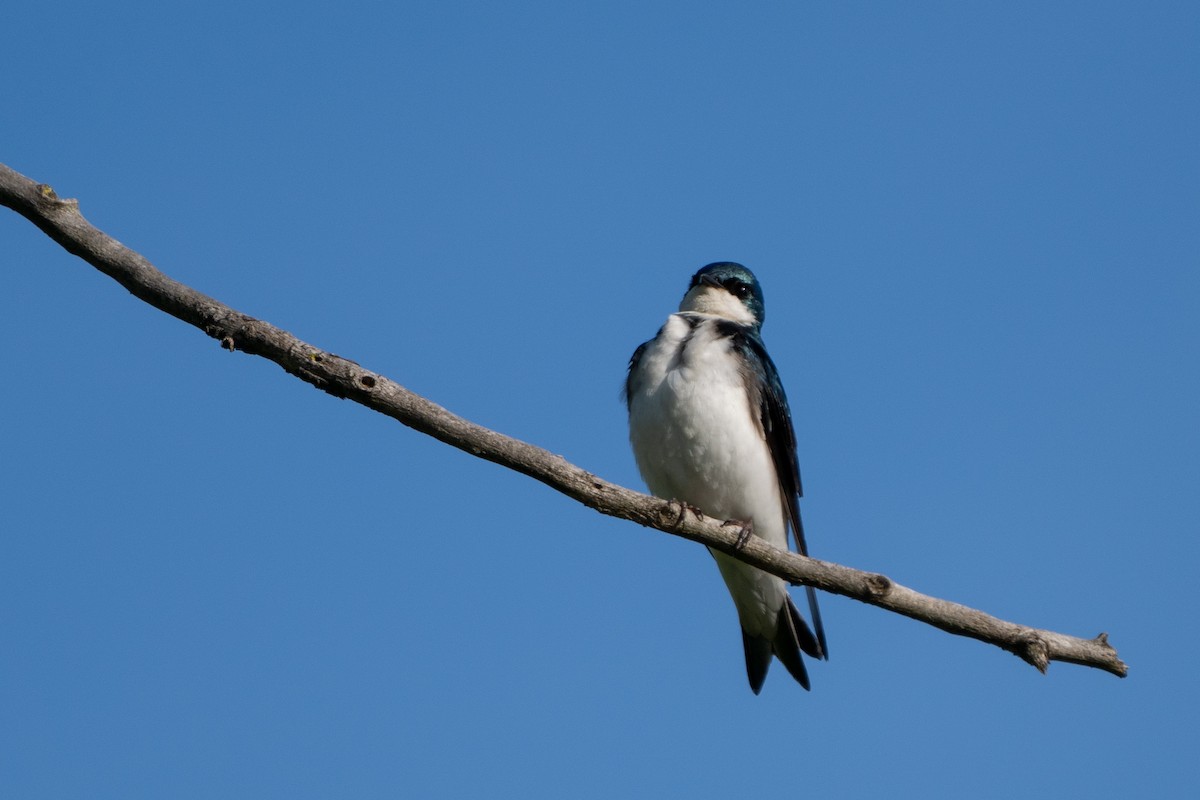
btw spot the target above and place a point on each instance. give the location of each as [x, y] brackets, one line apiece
[705, 299]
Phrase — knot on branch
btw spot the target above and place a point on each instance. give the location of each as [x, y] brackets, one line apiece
[878, 585]
[47, 193]
[1034, 650]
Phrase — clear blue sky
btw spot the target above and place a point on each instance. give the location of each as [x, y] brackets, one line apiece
[978, 229]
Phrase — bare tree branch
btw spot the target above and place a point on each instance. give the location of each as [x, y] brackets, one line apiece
[61, 221]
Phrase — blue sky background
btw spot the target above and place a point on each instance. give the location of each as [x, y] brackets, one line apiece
[978, 228]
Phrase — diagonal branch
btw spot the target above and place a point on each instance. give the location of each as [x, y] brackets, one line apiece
[61, 221]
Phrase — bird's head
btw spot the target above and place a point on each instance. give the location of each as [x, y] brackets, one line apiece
[728, 290]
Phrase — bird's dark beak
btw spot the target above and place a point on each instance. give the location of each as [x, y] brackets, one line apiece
[709, 280]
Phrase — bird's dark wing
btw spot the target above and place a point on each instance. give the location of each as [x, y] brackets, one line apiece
[627, 389]
[775, 420]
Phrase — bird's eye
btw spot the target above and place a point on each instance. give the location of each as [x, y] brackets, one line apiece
[737, 288]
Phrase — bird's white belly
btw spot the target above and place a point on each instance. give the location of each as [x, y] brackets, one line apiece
[696, 439]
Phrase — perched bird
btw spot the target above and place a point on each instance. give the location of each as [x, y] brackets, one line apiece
[710, 427]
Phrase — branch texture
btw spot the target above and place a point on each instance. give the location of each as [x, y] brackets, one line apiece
[61, 221]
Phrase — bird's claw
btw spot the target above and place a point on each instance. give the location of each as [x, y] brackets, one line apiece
[747, 530]
[684, 508]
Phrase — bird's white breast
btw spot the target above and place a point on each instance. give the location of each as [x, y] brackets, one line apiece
[694, 434]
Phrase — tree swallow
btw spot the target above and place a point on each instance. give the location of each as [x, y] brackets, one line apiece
[710, 427]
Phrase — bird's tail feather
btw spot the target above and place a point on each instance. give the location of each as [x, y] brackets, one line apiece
[792, 636]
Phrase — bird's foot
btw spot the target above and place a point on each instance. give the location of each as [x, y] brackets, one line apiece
[684, 508]
[747, 530]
